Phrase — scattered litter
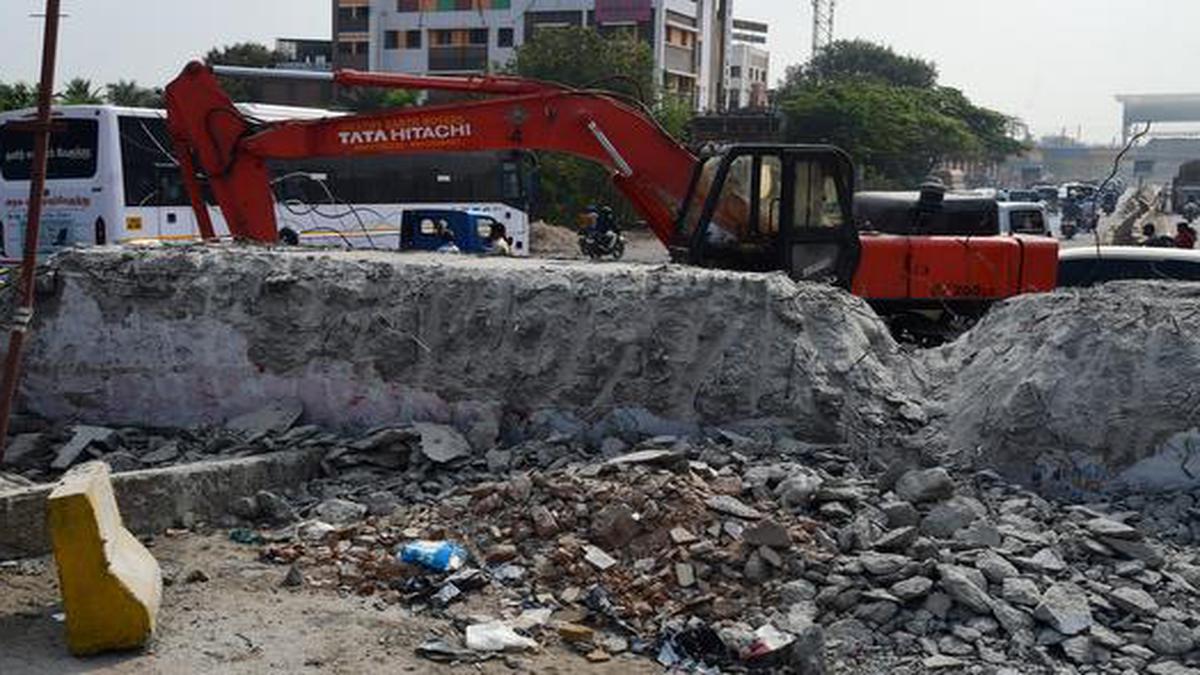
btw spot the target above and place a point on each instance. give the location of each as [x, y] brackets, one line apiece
[497, 636]
[440, 556]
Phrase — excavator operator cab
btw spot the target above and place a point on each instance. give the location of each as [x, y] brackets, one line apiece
[772, 207]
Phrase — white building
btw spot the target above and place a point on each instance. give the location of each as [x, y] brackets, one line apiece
[690, 39]
[749, 66]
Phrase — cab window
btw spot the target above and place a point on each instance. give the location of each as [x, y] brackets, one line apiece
[817, 204]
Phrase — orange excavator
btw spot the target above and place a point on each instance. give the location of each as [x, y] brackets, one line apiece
[761, 207]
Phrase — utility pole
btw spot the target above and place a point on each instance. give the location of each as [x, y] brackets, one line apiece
[822, 24]
[23, 317]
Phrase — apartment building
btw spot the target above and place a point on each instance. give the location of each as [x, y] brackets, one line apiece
[749, 66]
[689, 38]
[351, 36]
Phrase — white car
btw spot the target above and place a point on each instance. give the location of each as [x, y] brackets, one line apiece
[1089, 265]
[1023, 218]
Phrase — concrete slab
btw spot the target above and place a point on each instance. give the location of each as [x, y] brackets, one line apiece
[155, 499]
[111, 586]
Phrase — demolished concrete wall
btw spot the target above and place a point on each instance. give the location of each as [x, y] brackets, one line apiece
[1078, 390]
[187, 336]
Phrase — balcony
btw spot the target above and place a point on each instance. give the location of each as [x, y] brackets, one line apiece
[354, 24]
[472, 58]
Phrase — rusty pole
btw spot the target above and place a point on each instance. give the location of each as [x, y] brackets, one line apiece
[23, 316]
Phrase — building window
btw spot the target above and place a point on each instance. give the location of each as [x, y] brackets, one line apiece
[408, 5]
[735, 71]
[360, 48]
[412, 39]
[391, 39]
[479, 36]
[345, 48]
[504, 37]
[501, 4]
[443, 38]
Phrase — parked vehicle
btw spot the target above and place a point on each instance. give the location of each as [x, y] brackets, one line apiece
[1024, 218]
[1030, 195]
[112, 178]
[1185, 187]
[1089, 265]
[471, 231]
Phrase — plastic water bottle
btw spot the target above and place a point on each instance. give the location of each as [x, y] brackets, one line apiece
[442, 556]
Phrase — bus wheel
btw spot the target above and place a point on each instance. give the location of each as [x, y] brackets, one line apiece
[288, 237]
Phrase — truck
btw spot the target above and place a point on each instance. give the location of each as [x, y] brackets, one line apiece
[1186, 186]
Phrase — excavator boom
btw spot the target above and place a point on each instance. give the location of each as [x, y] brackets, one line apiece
[754, 207]
[649, 167]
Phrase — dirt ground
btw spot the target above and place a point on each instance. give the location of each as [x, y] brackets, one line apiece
[242, 621]
[550, 241]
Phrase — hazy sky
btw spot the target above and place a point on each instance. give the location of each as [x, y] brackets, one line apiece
[1054, 63]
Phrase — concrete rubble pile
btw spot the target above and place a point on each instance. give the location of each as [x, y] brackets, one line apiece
[727, 548]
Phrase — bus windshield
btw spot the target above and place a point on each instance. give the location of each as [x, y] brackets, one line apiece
[72, 151]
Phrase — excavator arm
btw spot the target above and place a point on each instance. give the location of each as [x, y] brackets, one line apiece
[649, 167]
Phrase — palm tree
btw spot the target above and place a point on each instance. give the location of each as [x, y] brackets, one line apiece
[16, 96]
[128, 93]
[80, 92]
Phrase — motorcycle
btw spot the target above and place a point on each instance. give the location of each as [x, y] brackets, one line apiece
[596, 246]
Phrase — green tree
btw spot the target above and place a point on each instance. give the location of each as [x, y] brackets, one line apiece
[864, 60]
[367, 99]
[17, 95]
[889, 113]
[80, 92]
[246, 54]
[128, 93]
[583, 58]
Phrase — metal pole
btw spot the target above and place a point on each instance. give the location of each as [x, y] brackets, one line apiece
[37, 186]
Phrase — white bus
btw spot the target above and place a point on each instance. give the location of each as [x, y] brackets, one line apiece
[112, 179]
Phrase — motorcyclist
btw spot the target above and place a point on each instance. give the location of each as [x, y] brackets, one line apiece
[606, 227]
[1191, 209]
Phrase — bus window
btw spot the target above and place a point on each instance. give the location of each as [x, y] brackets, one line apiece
[72, 151]
[151, 174]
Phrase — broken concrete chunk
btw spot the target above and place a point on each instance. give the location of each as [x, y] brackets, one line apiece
[167, 452]
[1134, 601]
[1021, 592]
[339, 511]
[1106, 527]
[597, 557]
[274, 418]
[442, 444]
[733, 507]
[21, 448]
[685, 575]
[767, 533]
[1064, 606]
[951, 516]
[84, 436]
[1171, 638]
[681, 535]
[654, 457]
[962, 589]
[925, 485]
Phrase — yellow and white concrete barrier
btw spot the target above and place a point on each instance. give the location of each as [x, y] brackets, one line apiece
[111, 585]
